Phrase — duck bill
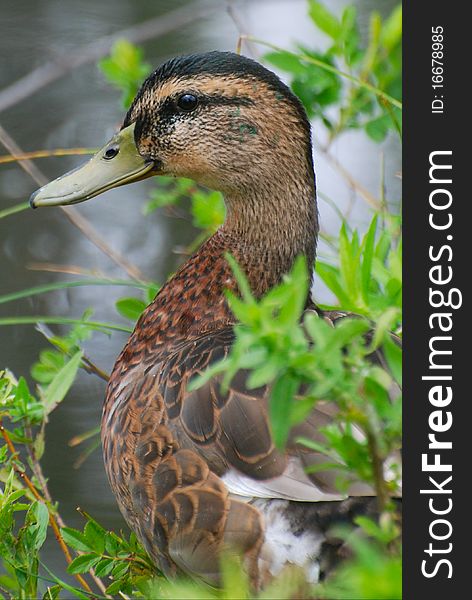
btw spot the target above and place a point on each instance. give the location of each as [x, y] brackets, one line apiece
[117, 163]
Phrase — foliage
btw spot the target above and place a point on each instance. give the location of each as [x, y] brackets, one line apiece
[206, 207]
[375, 573]
[368, 279]
[292, 350]
[378, 62]
[121, 559]
[354, 83]
[125, 69]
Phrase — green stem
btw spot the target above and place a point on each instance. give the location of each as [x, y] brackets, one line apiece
[6, 212]
[51, 287]
[63, 321]
[377, 466]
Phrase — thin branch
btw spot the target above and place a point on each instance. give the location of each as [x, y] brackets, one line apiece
[38, 472]
[86, 364]
[242, 30]
[67, 269]
[91, 368]
[377, 466]
[353, 183]
[52, 519]
[33, 320]
[90, 53]
[9, 158]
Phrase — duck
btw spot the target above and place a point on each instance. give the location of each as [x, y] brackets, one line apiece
[196, 472]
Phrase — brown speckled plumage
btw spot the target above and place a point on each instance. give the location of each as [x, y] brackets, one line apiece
[166, 449]
[173, 455]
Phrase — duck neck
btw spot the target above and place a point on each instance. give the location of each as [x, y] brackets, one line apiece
[266, 228]
[264, 231]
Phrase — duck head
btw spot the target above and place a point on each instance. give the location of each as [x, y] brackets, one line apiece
[219, 118]
[224, 121]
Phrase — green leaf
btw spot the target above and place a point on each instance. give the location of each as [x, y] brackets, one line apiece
[325, 20]
[350, 36]
[391, 34]
[52, 359]
[125, 69]
[368, 245]
[300, 409]
[378, 128]
[151, 292]
[3, 453]
[241, 280]
[60, 385]
[75, 591]
[52, 592]
[263, 374]
[104, 567]
[383, 534]
[75, 539]
[331, 277]
[37, 521]
[112, 543]
[22, 394]
[296, 283]
[281, 399]
[287, 62]
[208, 210]
[349, 262]
[83, 563]
[393, 355]
[120, 569]
[385, 323]
[130, 308]
[95, 536]
[114, 587]
[42, 373]
[371, 54]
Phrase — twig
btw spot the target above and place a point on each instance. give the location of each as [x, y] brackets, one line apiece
[52, 520]
[71, 213]
[6, 592]
[9, 158]
[242, 30]
[67, 269]
[90, 367]
[89, 53]
[38, 472]
[358, 187]
[377, 466]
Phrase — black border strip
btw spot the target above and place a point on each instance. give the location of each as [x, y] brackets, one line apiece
[448, 134]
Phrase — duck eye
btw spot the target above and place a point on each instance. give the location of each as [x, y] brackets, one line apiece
[187, 102]
[111, 152]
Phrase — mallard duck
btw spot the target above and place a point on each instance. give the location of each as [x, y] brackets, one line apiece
[196, 472]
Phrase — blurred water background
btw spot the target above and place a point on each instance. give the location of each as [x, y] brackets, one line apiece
[81, 109]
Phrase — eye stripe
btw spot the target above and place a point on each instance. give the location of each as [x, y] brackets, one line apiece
[216, 99]
[170, 105]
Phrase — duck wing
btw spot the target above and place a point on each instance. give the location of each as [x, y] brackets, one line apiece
[203, 493]
[230, 429]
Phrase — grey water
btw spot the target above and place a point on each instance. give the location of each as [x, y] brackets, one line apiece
[81, 109]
